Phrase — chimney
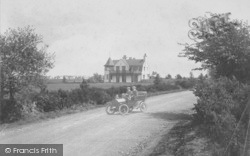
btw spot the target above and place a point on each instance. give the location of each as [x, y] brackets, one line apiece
[144, 57]
[124, 57]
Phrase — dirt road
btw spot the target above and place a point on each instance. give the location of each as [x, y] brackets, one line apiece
[94, 133]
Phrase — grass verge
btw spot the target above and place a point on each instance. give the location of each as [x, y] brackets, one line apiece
[38, 116]
[184, 139]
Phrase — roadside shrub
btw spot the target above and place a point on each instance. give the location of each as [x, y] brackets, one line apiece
[185, 83]
[113, 91]
[20, 107]
[29, 102]
[166, 87]
[151, 88]
[76, 96]
[219, 107]
[64, 100]
[28, 107]
[141, 88]
[11, 111]
[46, 102]
[99, 96]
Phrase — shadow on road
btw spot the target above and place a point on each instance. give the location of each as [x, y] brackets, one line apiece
[171, 116]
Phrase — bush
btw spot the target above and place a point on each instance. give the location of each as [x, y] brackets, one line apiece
[31, 103]
[141, 88]
[20, 107]
[113, 91]
[11, 111]
[166, 87]
[57, 100]
[99, 96]
[46, 102]
[219, 107]
[185, 83]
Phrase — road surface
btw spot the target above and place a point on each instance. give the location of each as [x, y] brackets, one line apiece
[94, 133]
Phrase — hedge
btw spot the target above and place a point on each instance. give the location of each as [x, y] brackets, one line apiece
[47, 101]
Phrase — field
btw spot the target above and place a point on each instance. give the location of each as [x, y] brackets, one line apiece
[69, 86]
[57, 84]
[63, 86]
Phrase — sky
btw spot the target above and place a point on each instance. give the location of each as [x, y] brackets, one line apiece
[83, 34]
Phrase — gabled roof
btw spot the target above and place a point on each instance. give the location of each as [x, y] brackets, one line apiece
[135, 62]
[115, 61]
[124, 61]
[130, 62]
[109, 63]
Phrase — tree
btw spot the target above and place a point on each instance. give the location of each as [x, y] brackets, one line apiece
[96, 78]
[223, 47]
[178, 76]
[84, 84]
[85, 91]
[25, 60]
[168, 76]
[191, 75]
[154, 73]
[157, 80]
[64, 79]
[201, 77]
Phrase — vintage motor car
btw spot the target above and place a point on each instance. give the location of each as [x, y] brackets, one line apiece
[125, 105]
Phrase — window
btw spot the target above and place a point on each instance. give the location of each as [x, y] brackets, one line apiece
[123, 68]
[117, 68]
[124, 78]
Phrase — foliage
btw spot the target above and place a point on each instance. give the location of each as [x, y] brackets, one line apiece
[223, 48]
[201, 77]
[47, 101]
[11, 111]
[154, 73]
[191, 75]
[58, 100]
[64, 79]
[219, 107]
[162, 87]
[96, 78]
[157, 80]
[25, 60]
[99, 96]
[168, 76]
[178, 77]
[185, 83]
